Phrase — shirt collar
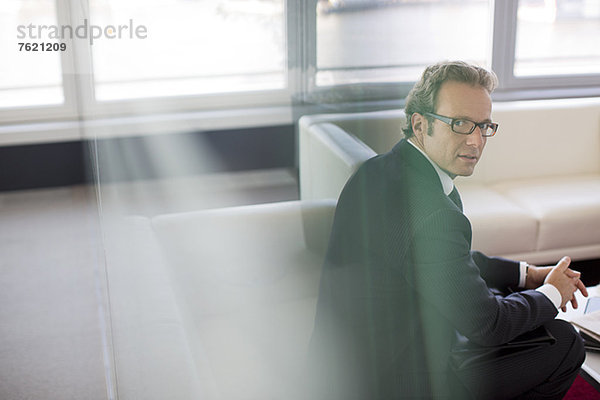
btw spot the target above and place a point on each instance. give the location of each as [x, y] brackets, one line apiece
[447, 184]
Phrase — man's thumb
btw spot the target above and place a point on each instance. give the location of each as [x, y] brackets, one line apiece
[563, 264]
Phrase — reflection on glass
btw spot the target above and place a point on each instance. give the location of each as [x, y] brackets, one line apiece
[192, 47]
[383, 40]
[28, 78]
[557, 37]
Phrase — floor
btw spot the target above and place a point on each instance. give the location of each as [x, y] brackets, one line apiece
[53, 312]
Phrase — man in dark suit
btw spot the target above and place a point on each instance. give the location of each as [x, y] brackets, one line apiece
[406, 309]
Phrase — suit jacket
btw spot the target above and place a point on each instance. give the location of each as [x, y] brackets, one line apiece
[400, 282]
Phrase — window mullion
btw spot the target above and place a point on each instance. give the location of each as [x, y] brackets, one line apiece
[63, 17]
[302, 38]
[504, 41]
[293, 42]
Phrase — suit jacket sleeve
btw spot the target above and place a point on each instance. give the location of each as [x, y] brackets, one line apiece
[497, 272]
[447, 276]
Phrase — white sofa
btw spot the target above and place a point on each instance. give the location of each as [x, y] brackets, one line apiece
[215, 304]
[535, 194]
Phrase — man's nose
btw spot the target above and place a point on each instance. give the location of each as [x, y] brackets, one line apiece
[476, 137]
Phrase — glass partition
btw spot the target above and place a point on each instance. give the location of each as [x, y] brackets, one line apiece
[211, 296]
[197, 286]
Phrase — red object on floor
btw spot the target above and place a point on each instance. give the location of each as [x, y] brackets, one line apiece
[581, 390]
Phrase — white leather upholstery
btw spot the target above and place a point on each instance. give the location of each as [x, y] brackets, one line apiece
[567, 208]
[495, 220]
[535, 194]
[331, 153]
[217, 304]
[540, 139]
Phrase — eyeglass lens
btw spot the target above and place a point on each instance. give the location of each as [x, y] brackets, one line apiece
[466, 127]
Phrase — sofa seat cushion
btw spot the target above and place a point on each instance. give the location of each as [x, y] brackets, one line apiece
[225, 260]
[495, 219]
[567, 208]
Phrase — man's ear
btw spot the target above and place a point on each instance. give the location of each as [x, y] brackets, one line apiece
[419, 125]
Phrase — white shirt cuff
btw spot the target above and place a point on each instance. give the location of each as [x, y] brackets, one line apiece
[522, 274]
[551, 293]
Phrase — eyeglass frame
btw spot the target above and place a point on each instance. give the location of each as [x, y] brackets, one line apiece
[452, 121]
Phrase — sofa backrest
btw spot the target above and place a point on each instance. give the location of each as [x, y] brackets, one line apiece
[246, 250]
[542, 138]
[557, 137]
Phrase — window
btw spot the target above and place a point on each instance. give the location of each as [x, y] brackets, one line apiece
[557, 38]
[132, 57]
[28, 78]
[189, 48]
[376, 49]
[170, 56]
[382, 41]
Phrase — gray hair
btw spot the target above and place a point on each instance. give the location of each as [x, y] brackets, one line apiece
[423, 96]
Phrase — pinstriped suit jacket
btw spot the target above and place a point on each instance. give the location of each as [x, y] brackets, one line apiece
[400, 282]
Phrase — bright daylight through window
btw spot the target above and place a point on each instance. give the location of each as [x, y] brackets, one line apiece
[192, 47]
[28, 78]
[558, 37]
[383, 40]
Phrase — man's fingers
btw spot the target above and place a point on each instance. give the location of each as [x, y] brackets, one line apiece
[563, 264]
[582, 288]
[574, 302]
[572, 273]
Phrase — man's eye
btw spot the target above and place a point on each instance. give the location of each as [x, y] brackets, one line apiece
[461, 123]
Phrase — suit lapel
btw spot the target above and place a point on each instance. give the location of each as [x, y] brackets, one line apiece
[406, 154]
[455, 197]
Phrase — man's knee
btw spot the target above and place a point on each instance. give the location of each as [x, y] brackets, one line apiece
[569, 343]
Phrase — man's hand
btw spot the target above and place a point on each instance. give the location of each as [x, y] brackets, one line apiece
[536, 276]
[566, 281]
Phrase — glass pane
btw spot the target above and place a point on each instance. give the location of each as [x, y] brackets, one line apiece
[28, 77]
[383, 40]
[188, 47]
[557, 37]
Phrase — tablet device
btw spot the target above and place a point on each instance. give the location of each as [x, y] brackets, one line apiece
[592, 305]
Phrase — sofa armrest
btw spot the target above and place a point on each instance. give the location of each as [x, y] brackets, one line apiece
[380, 130]
[328, 157]
[151, 349]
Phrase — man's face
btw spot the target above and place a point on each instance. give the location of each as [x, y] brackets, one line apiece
[455, 153]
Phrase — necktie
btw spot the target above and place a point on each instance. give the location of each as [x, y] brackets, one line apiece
[455, 197]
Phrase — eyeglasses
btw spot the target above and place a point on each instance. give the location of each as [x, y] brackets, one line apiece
[465, 126]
